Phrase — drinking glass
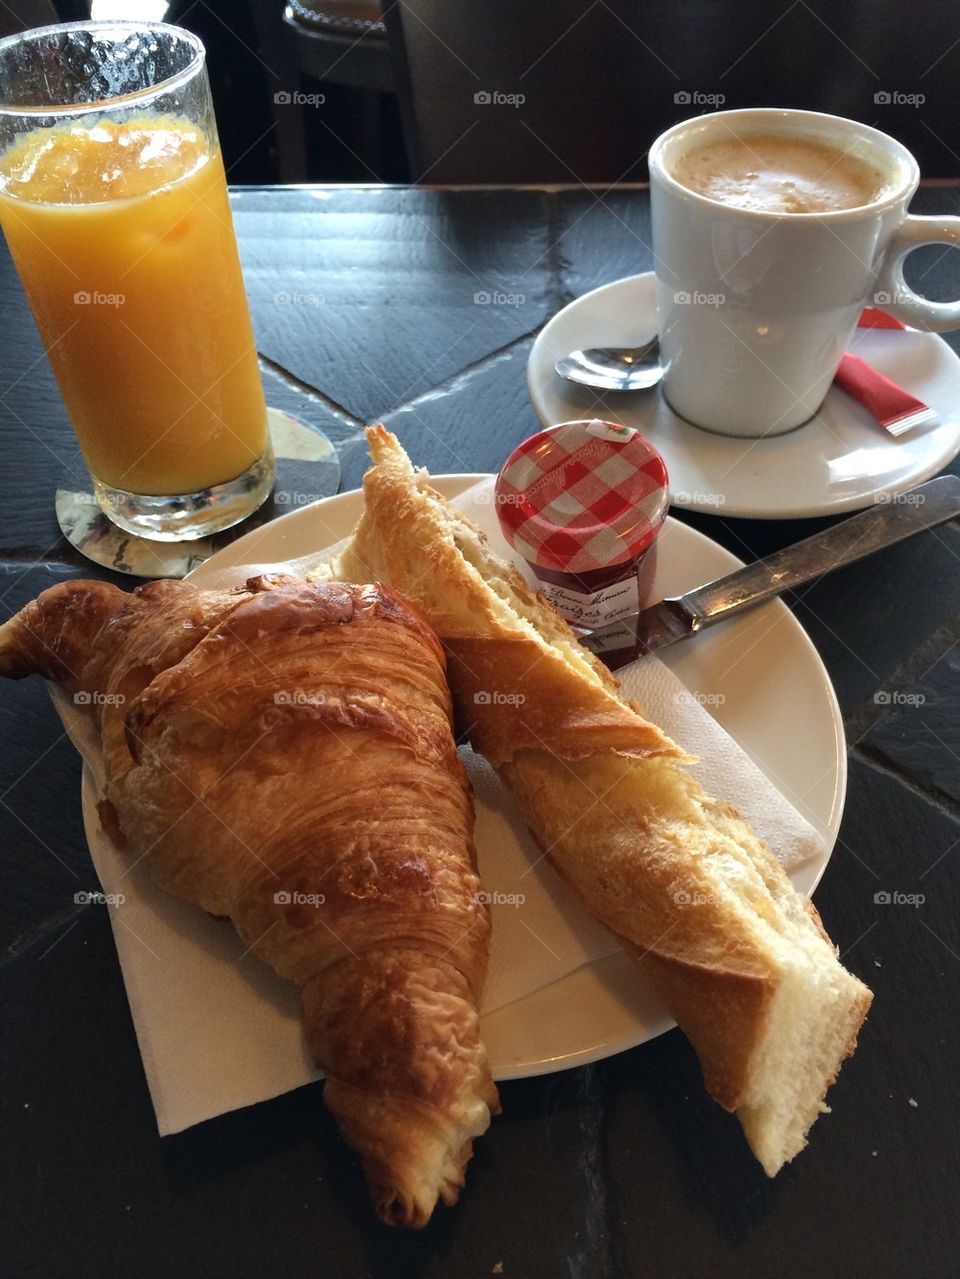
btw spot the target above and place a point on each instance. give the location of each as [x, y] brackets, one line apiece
[113, 200]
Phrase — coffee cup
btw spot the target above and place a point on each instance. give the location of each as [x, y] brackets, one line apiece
[772, 229]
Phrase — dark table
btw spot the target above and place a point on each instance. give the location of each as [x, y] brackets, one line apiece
[365, 306]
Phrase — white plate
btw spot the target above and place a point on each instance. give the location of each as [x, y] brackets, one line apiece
[841, 461]
[779, 705]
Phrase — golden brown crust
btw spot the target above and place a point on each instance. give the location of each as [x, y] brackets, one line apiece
[282, 754]
[400, 539]
[511, 700]
[52, 635]
[721, 1011]
[354, 1019]
[682, 880]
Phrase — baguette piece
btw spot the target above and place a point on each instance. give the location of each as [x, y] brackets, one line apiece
[740, 958]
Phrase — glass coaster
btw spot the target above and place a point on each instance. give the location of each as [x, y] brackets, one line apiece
[307, 469]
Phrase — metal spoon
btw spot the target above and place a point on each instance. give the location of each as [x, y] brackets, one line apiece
[618, 368]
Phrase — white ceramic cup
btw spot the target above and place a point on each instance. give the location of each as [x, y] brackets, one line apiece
[757, 308]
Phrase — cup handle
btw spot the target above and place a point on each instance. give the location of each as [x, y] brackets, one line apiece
[893, 292]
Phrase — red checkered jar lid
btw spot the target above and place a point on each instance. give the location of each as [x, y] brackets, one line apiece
[582, 496]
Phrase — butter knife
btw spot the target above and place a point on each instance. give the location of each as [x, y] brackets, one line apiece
[660, 625]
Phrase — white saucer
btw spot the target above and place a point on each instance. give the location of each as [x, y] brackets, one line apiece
[779, 704]
[841, 461]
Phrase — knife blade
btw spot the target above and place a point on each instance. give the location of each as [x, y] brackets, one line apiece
[679, 617]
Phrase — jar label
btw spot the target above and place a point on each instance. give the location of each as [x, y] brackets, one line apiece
[590, 609]
[610, 431]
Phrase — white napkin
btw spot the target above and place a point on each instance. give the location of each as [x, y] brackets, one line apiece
[217, 1030]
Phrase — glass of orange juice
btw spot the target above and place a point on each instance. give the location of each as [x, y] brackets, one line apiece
[113, 200]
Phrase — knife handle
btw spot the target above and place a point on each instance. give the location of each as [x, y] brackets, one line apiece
[895, 520]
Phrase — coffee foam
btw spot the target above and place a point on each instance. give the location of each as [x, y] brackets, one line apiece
[767, 173]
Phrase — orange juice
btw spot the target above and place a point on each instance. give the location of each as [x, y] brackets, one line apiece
[121, 233]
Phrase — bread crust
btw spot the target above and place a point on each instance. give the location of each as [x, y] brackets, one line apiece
[694, 896]
[512, 685]
[282, 755]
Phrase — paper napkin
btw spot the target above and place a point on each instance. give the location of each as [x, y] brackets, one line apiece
[218, 1031]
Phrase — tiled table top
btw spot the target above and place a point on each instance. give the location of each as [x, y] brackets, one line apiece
[370, 303]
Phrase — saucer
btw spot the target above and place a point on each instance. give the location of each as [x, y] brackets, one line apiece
[841, 460]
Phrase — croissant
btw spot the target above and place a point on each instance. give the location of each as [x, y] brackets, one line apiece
[282, 754]
[740, 959]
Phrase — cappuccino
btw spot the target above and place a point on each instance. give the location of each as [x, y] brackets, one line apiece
[767, 173]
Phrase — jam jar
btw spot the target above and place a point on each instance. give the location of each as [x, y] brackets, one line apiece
[582, 503]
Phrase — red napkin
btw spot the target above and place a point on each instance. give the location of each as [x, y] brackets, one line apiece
[872, 317]
[894, 408]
